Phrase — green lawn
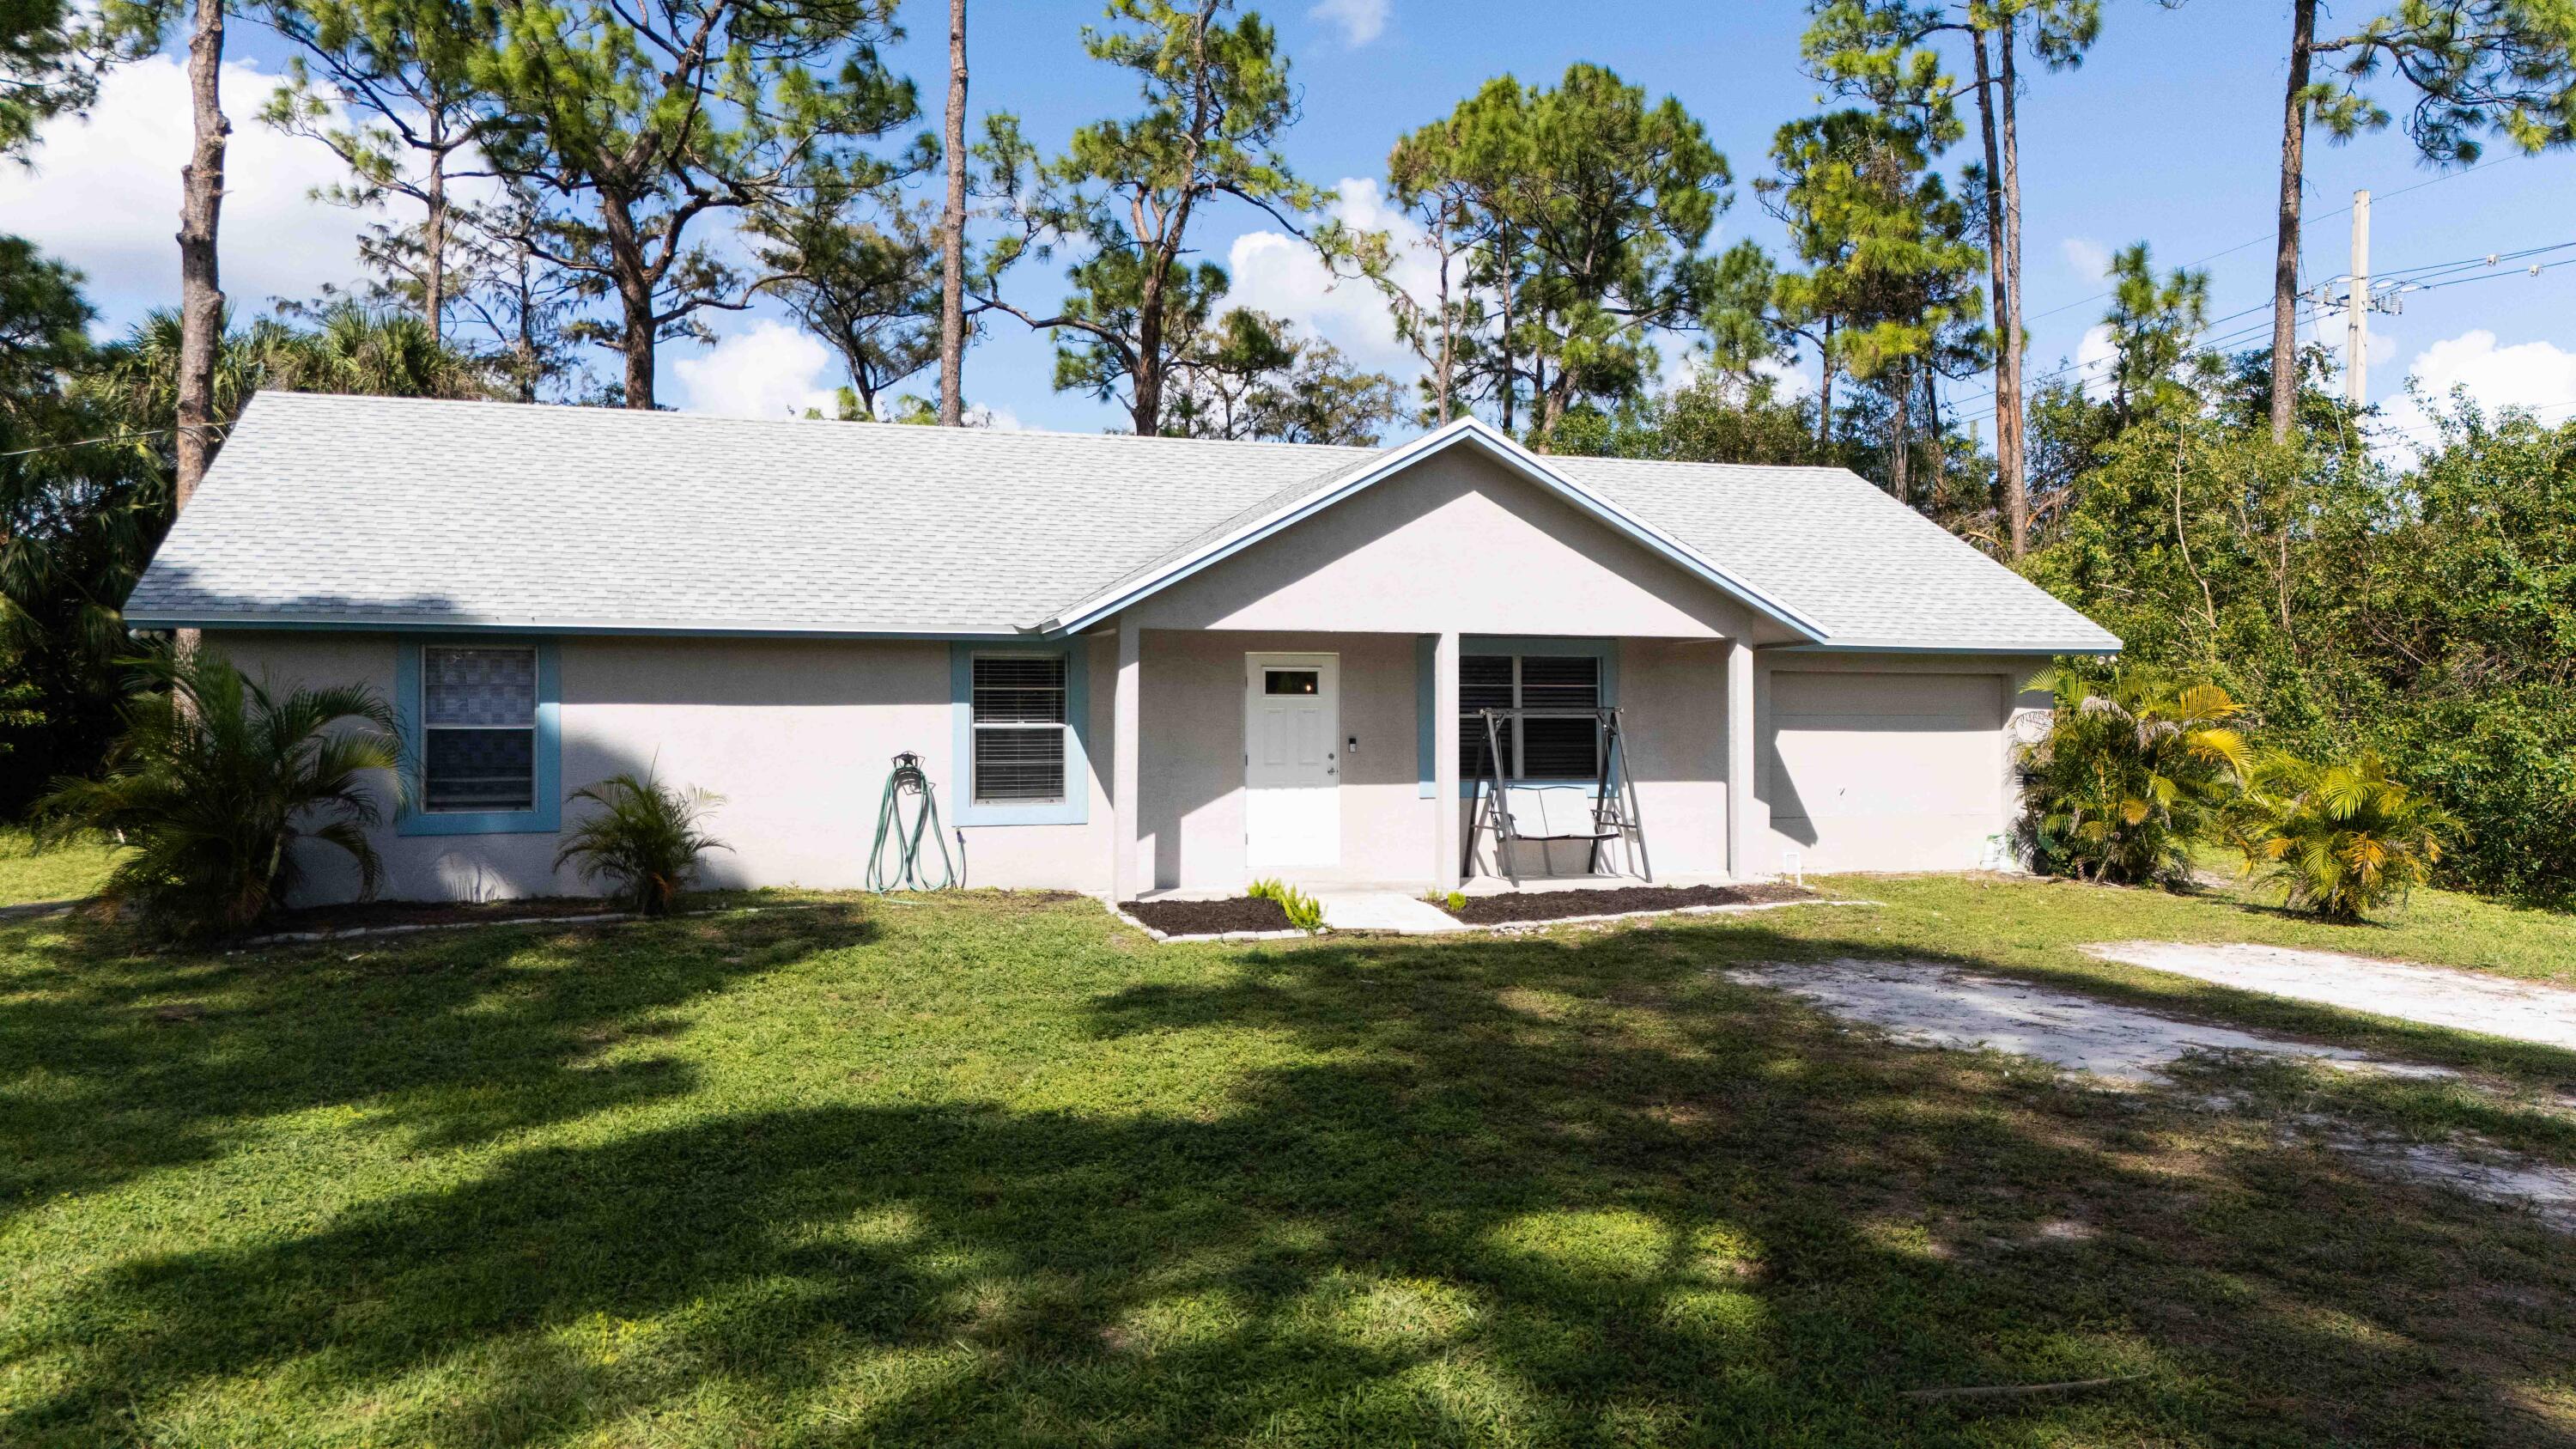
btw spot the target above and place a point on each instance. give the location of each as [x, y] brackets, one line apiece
[988, 1170]
[63, 874]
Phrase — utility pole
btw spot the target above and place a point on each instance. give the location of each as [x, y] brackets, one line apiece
[2356, 309]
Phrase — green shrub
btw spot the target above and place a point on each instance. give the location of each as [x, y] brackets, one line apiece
[2339, 840]
[644, 837]
[1305, 913]
[2133, 769]
[214, 782]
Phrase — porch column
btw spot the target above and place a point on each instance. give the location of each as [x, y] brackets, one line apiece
[1126, 756]
[1444, 762]
[1741, 807]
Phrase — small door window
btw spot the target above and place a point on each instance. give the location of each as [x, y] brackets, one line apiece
[1289, 681]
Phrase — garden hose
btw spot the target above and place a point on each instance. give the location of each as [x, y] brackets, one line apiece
[908, 779]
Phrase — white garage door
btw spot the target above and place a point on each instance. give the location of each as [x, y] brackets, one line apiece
[1886, 771]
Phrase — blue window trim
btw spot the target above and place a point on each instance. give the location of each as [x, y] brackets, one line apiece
[1605, 650]
[547, 816]
[1075, 807]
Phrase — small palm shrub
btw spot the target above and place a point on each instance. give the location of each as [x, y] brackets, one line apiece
[2134, 767]
[644, 838]
[214, 783]
[1305, 913]
[2339, 840]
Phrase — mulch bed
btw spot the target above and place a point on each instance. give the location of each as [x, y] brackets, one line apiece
[1556, 905]
[370, 915]
[1209, 918]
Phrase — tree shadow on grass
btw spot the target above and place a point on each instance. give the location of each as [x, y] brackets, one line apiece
[139, 1061]
[1541, 1191]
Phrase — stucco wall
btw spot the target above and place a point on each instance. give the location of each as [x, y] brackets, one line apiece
[1458, 543]
[796, 735]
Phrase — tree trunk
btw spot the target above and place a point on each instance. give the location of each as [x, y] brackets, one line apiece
[433, 286]
[634, 299]
[1932, 430]
[2285, 252]
[1825, 394]
[952, 279]
[1997, 117]
[201, 297]
[1448, 329]
[1510, 383]
[1899, 470]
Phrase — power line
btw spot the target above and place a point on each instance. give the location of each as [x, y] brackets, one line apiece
[90, 443]
[2271, 236]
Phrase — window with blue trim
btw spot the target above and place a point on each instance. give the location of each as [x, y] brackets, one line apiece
[1020, 749]
[1540, 749]
[479, 726]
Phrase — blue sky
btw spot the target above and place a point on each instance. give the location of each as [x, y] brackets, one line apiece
[2168, 134]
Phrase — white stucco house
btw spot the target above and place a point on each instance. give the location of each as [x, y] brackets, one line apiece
[1127, 663]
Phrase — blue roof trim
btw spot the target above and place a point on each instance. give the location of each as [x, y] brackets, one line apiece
[1396, 460]
[505, 630]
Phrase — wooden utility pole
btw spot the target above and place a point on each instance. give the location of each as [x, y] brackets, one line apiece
[2356, 309]
[952, 279]
[201, 297]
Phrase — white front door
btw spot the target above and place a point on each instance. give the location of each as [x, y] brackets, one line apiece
[1292, 761]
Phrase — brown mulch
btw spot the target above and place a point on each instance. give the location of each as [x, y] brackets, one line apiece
[370, 915]
[1209, 918]
[1556, 905]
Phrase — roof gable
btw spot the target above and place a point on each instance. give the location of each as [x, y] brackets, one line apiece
[1272, 515]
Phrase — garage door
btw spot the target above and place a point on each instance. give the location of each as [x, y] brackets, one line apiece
[1886, 771]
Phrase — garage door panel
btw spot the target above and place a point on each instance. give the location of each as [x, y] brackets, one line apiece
[1886, 771]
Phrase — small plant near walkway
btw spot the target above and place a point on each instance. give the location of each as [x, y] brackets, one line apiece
[1304, 912]
[644, 838]
[2338, 840]
[215, 783]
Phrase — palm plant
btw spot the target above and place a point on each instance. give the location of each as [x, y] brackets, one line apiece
[216, 781]
[2133, 769]
[645, 837]
[2339, 840]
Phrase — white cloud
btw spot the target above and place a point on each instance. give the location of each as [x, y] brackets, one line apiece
[1278, 274]
[1361, 21]
[2094, 357]
[2536, 375]
[103, 195]
[772, 370]
[2090, 259]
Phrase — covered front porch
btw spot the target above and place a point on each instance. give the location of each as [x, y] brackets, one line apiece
[1359, 760]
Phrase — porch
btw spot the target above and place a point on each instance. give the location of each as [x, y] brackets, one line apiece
[1350, 760]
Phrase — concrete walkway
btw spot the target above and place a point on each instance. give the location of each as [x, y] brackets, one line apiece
[1383, 910]
[2464, 1000]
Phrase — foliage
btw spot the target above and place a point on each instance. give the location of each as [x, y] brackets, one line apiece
[1303, 911]
[869, 291]
[2134, 766]
[1581, 210]
[1252, 378]
[644, 120]
[2429, 615]
[1124, 197]
[644, 837]
[216, 784]
[2339, 840]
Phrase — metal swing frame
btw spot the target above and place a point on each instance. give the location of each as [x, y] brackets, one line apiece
[1614, 810]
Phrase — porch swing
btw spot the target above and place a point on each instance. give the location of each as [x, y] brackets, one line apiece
[1518, 813]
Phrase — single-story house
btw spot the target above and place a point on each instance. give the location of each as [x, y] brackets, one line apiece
[1125, 663]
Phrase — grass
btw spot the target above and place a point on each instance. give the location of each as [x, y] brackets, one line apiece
[63, 874]
[992, 1170]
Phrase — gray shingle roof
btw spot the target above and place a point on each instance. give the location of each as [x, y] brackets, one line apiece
[368, 511]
